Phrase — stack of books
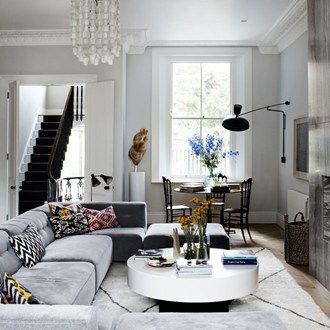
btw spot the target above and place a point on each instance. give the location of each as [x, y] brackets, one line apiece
[192, 187]
[146, 254]
[239, 257]
[190, 268]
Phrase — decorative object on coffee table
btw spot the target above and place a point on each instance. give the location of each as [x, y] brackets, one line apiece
[137, 179]
[176, 244]
[196, 224]
[189, 227]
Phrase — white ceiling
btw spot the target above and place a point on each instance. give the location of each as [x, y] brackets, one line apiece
[164, 19]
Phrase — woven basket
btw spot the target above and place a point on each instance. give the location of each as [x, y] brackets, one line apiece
[296, 240]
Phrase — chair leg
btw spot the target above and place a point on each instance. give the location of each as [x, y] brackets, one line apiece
[242, 227]
[167, 215]
[247, 226]
[172, 215]
[229, 223]
[190, 211]
[222, 215]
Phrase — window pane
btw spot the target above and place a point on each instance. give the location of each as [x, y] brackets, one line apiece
[183, 161]
[186, 89]
[216, 89]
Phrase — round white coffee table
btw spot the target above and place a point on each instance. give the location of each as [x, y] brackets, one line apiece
[175, 293]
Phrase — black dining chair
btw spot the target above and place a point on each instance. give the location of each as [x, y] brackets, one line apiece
[218, 197]
[241, 214]
[173, 211]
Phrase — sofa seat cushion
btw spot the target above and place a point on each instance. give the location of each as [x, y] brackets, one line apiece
[60, 283]
[158, 236]
[96, 250]
[126, 241]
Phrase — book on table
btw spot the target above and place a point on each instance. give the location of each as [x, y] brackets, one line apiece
[191, 268]
[150, 253]
[239, 257]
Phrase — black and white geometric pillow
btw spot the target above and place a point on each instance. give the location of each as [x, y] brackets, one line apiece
[15, 293]
[28, 246]
[74, 224]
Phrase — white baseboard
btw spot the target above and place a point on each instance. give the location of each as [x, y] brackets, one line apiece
[254, 217]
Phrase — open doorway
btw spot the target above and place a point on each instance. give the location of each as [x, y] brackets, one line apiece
[42, 123]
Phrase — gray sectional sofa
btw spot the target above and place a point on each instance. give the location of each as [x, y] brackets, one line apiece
[72, 270]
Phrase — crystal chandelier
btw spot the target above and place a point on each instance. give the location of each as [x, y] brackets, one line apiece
[95, 30]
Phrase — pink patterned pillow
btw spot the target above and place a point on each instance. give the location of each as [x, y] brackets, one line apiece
[101, 219]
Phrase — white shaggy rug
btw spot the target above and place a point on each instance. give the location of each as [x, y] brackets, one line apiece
[277, 292]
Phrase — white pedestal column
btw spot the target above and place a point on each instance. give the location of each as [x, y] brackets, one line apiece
[137, 187]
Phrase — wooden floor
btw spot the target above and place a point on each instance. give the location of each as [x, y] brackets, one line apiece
[272, 238]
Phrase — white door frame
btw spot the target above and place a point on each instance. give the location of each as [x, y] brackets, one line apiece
[44, 79]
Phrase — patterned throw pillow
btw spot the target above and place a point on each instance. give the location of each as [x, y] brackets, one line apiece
[60, 210]
[16, 293]
[28, 246]
[101, 219]
[74, 224]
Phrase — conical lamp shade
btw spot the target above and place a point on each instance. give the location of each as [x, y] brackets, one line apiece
[236, 124]
[95, 181]
[107, 179]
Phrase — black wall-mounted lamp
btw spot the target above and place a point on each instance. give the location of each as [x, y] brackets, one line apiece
[239, 124]
[96, 182]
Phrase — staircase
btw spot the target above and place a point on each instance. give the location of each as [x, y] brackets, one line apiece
[34, 187]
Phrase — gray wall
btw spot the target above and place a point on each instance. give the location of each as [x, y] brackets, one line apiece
[265, 129]
[56, 97]
[60, 60]
[293, 87]
[32, 101]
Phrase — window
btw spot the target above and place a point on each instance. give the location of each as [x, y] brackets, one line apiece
[201, 99]
[193, 89]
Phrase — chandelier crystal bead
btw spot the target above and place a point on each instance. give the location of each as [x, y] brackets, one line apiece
[95, 30]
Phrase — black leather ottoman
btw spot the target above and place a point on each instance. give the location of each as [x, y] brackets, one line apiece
[159, 236]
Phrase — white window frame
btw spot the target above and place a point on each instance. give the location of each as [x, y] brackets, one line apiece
[241, 84]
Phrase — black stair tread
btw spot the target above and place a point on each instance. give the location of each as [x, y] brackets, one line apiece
[51, 118]
[48, 125]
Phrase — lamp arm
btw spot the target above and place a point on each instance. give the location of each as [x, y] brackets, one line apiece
[266, 107]
[283, 159]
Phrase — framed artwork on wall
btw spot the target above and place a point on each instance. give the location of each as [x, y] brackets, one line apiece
[300, 157]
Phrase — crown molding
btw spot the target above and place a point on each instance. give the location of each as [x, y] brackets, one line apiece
[289, 27]
[134, 41]
[35, 37]
[203, 43]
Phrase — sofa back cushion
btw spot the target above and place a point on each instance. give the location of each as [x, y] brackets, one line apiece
[9, 263]
[36, 217]
[129, 214]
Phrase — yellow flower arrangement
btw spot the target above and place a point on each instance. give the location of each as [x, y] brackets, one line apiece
[195, 222]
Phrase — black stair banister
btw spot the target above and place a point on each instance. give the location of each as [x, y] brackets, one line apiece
[58, 150]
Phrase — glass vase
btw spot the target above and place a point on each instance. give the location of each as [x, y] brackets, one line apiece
[210, 179]
[189, 252]
[203, 249]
